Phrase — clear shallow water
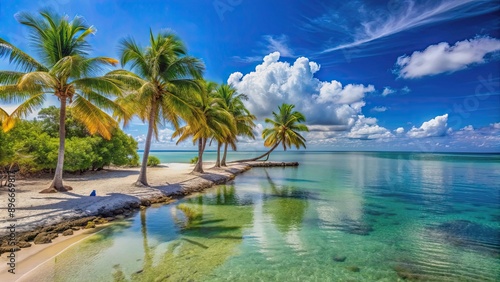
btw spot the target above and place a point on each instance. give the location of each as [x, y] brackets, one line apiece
[337, 217]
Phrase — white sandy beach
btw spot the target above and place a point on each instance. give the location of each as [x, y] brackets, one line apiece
[114, 189]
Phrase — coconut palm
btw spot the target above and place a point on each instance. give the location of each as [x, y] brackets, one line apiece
[218, 122]
[63, 70]
[233, 103]
[285, 129]
[167, 78]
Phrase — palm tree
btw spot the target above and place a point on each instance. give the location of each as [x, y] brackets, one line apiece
[65, 71]
[218, 123]
[233, 103]
[285, 129]
[167, 78]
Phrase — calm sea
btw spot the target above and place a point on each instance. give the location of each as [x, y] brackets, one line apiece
[337, 217]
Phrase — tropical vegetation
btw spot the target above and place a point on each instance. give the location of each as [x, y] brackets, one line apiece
[232, 101]
[165, 78]
[218, 123]
[32, 146]
[161, 85]
[64, 70]
[284, 130]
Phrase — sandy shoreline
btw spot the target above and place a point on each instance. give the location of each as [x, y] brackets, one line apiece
[116, 195]
[114, 189]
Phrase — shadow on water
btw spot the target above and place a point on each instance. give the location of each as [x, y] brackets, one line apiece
[210, 230]
[286, 205]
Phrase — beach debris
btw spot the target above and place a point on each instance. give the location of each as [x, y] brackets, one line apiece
[93, 193]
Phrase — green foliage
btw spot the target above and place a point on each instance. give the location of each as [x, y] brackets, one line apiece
[285, 128]
[49, 116]
[153, 161]
[194, 160]
[33, 145]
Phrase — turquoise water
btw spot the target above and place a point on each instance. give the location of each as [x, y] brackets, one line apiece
[337, 217]
[210, 156]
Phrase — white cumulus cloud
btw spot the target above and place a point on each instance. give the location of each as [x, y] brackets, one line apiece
[442, 57]
[367, 128]
[435, 127]
[324, 103]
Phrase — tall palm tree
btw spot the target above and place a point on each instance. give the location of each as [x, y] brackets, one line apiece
[233, 103]
[167, 78]
[218, 122]
[65, 71]
[285, 129]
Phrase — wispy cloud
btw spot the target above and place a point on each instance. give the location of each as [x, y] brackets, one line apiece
[379, 109]
[270, 44]
[279, 44]
[247, 60]
[410, 14]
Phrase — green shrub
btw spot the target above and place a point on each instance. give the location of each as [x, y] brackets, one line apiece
[153, 161]
[33, 146]
[194, 160]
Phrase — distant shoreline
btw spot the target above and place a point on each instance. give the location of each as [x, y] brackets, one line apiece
[331, 151]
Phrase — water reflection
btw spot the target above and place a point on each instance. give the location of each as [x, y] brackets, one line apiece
[286, 205]
[210, 232]
[340, 220]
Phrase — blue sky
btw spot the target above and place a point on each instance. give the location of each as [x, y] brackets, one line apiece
[369, 75]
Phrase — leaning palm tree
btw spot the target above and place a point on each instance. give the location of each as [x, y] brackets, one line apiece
[65, 71]
[166, 78]
[285, 129]
[233, 103]
[218, 123]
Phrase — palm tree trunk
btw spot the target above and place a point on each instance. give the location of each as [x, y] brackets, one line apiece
[217, 163]
[259, 157]
[223, 162]
[199, 164]
[143, 180]
[148, 258]
[57, 183]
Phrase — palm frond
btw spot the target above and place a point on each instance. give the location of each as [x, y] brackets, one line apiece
[12, 93]
[23, 110]
[103, 85]
[94, 119]
[10, 77]
[37, 80]
[17, 57]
